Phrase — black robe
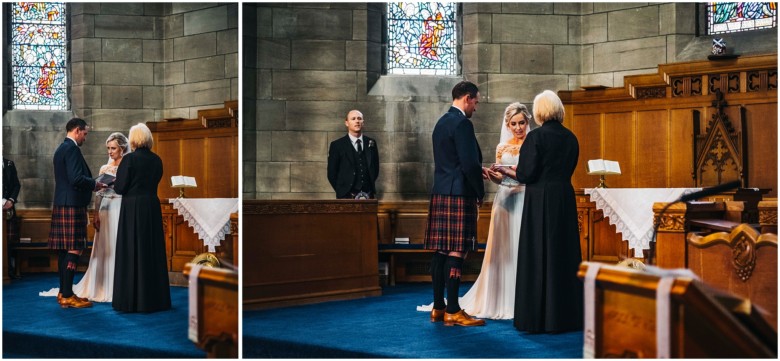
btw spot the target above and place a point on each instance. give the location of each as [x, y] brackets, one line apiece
[141, 270]
[548, 296]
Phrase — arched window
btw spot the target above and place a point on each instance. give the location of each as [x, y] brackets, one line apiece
[422, 38]
[734, 17]
[39, 56]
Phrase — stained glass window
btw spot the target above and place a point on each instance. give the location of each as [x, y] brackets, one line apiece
[422, 38]
[733, 17]
[38, 56]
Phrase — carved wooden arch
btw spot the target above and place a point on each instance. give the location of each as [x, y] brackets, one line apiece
[720, 155]
[744, 242]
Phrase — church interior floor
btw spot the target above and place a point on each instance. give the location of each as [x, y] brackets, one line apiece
[35, 326]
[389, 326]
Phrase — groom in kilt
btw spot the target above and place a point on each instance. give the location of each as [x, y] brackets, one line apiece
[72, 193]
[457, 194]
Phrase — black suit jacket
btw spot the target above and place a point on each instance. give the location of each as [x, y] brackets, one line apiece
[73, 183]
[457, 157]
[11, 185]
[139, 174]
[342, 164]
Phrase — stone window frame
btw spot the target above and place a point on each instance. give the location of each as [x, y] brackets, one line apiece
[8, 84]
[401, 85]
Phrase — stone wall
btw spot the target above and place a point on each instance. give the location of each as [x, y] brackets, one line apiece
[130, 63]
[306, 65]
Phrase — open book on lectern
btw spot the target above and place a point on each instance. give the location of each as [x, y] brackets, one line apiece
[603, 167]
[181, 181]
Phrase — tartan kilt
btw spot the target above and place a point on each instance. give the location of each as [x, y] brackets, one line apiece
[452, 223]
[68, 228]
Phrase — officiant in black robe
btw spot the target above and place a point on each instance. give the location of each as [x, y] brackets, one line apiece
[141, 269]
[548, 296]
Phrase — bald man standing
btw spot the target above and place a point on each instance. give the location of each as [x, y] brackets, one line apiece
[353, 161]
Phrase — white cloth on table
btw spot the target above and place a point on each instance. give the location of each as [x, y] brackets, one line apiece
[630, 210]
[209, 217]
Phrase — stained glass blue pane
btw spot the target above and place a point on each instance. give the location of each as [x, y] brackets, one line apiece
[38, 56]
[734, 17]
[422, 38]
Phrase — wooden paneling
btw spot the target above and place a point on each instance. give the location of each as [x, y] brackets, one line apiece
[652, 128]
[188, 147]
[762, 148]
[299, 252]
[587, 127]
[651, 118]
[618, 146]
[680, 149]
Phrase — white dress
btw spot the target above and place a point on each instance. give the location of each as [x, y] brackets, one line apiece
[493, 293]
[98, 282]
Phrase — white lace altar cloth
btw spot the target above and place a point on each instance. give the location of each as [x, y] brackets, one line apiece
[630, 210]
[209, 217]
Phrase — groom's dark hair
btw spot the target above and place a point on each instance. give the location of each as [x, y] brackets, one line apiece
[75, 123]
[463, 88]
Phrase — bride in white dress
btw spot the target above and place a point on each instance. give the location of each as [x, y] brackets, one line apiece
[493, 293]
[98, 281]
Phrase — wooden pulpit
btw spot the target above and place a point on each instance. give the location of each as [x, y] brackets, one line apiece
[217, 311]
[632, 313]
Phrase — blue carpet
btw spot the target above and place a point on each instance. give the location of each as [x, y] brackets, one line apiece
[389, 326]
[36, 327]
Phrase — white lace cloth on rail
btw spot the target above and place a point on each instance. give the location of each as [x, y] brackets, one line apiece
[209, 217]
[630, 210]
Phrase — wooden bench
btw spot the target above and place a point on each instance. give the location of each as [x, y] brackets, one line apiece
[38, 257]
[411, 263]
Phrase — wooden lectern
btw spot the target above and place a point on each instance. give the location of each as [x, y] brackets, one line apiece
[217, 316]
[701, 323]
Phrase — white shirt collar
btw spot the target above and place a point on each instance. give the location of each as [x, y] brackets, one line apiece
[354, 139]
[74, 141]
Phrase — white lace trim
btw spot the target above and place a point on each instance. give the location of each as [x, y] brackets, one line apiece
[635, 225]
[210, 218]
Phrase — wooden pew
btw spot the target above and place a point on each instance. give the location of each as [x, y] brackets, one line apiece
[683, 222]
[599, 241]
[217, 315]
[702, 322]
[182, 244]
[742, 262]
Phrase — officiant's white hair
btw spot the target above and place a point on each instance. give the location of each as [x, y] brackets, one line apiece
[547, 106]
[140, 137]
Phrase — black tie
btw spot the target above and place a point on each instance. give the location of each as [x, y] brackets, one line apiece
[360, 146]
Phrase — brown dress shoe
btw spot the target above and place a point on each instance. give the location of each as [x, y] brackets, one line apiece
[74, 302]
[59, 298]
[437, 315]
[461, 318]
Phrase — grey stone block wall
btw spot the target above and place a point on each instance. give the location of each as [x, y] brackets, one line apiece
[307, 64]
[130, 63]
